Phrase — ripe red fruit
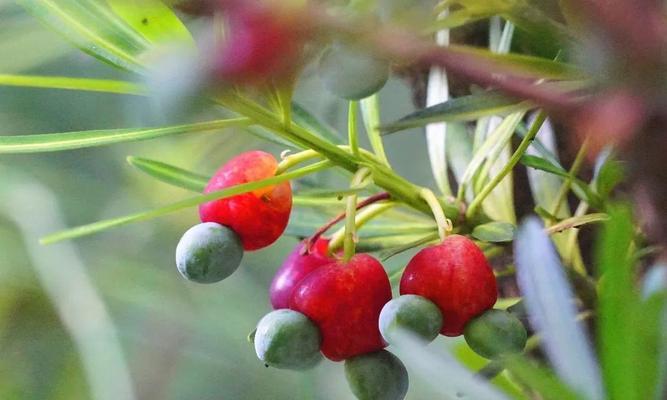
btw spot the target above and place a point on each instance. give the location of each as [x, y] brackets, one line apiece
[296, 267]
[262, 43]
[258, 217]
[344, 300]
[456, 277]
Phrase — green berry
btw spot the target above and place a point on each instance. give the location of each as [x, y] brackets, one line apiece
[352, 73]
[495, 333]
[377, 376]
[287, 339]
[413, 313]
[208, 253]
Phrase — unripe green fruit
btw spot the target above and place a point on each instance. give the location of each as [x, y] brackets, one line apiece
[495, 333]
[208, 253]
[351, 73]
[377, 376]
[413, 313]
[287, 339]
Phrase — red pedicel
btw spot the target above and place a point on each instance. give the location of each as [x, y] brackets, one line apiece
[295, 267]
[261, 44]
[344, 300]
[258, 217]
[456, 277]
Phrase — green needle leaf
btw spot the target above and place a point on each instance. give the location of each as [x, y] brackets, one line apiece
[153, 20]
[94, 28]
[170, 174]
[76, 140]
[67, 83]
[464, 108]
[180, 205]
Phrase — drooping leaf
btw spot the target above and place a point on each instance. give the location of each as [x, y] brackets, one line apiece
[180, 205]
[153, 20]
[94, 28]
[548, 299]
[76, 140]
[464, 108]
[494, 232]
[543, 165]
[170, 174]
[67, 83]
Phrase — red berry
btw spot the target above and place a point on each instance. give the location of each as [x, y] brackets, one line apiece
[258, 217]
[295, 267]
[344, 300]
[261, 44]
[456, 277]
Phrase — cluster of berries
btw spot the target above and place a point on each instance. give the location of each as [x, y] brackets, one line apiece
[324, 305]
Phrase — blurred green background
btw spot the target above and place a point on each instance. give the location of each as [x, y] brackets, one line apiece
[169, 338]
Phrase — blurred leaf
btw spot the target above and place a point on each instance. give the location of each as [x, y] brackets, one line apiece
[170, 174]
[494, 232]
[304, 118]
[76, 140]
[548, 299]
[61, 82]
[539, 379]
[620, 313]
[409, 245]
[180, 205]
[536, 66]
[459, 149]
[464, 108]
[153, 20]
[92, 27]
[324, 193]
[609, 175]
[436, 366]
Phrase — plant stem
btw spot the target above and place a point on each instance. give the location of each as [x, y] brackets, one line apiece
[444, 225]
[350, 212]
[565, 187]
[352, 132]
[310, 242]
[361, 219]
[516, 156]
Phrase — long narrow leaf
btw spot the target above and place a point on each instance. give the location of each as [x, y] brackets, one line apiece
[304, 118]
[183, 204]
[370, 111]
[67, 83]
[169, 174]
[548, 298]
[92, 27]
[153, 20]
[464, 108]
[76, 140]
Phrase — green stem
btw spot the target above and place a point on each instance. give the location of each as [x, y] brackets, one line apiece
[444, 225]
[350, 213]
[352, 132]
[362, 217]
[516, 156]
[565, 187]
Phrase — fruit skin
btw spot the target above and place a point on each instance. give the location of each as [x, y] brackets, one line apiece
[263, 43]
[352, 73]
[412, 313]
[344, 300]
[456, 277]
[296, 267]
[287, 339]
[258, 217]
[496, 333]
[377, 376]
[208, 253]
